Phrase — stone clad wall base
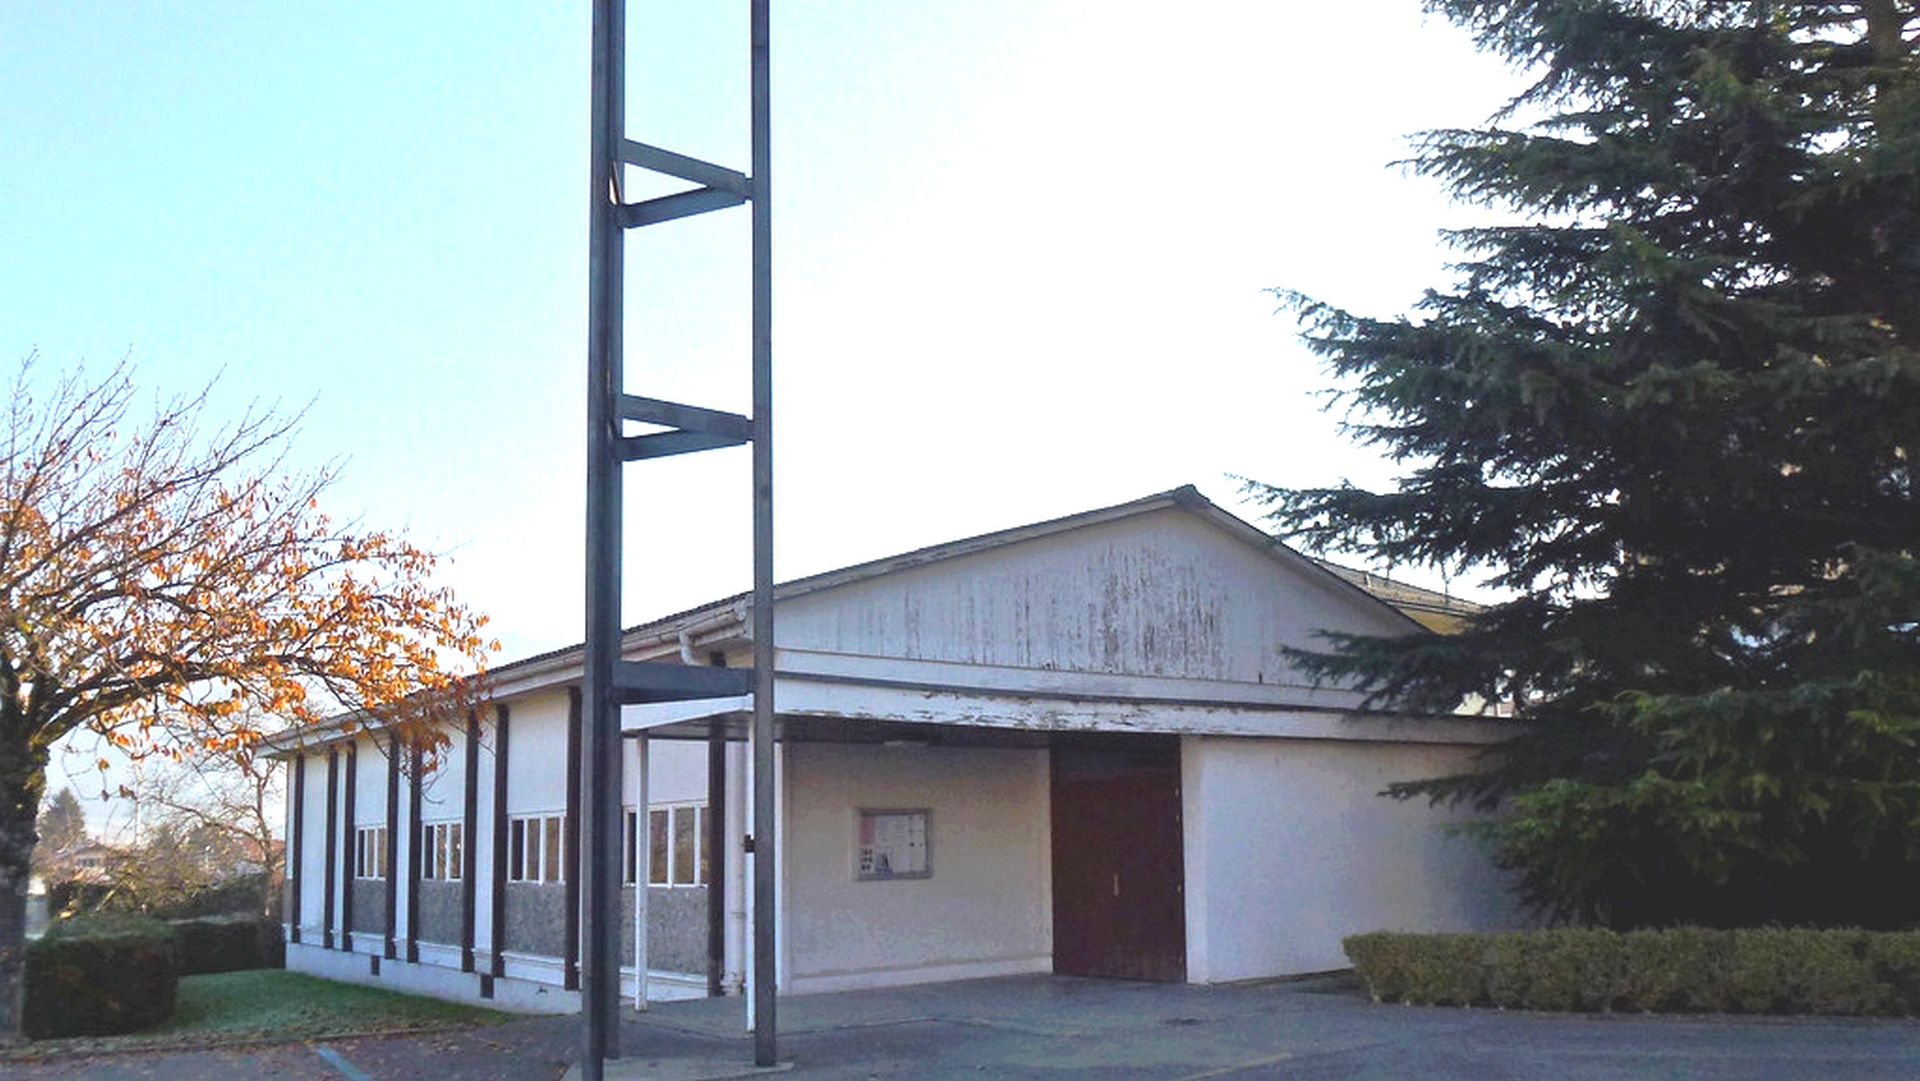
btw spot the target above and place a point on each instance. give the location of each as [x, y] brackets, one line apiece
[369, 907]
[440, 912]
[536, 918]
[676, 928]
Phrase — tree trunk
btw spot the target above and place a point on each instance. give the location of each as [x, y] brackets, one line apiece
[1886, 29]
[22, 779]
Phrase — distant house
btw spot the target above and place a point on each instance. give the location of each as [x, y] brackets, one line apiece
[1076, 746]
[90, 862]
[224, 856]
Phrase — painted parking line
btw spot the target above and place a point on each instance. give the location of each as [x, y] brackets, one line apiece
[339, 1062]
[1224, 1071]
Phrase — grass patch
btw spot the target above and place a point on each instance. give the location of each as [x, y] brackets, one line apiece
[276, 1005]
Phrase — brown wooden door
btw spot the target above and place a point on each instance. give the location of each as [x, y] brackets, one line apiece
[1118, 870]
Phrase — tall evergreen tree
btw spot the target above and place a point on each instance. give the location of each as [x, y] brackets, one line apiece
[1673, 415]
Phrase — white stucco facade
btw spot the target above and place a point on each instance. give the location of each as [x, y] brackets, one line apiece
[1290, 847]
[945, 684]
[983, 911]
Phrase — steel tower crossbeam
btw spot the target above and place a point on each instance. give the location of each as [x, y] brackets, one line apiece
[607, 680]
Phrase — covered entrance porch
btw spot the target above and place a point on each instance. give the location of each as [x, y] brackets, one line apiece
[910, 852]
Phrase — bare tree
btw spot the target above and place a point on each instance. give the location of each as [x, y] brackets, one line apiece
[164, 587]
[224, 809]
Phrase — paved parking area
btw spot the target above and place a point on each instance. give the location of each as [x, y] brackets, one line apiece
[1057, 1029]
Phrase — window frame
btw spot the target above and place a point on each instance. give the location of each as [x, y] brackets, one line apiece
[668, 865]
[537, 848]
[629, 846]
[370, 853]
[442, 849]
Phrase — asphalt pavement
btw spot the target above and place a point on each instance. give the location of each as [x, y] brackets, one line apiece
[1043, 1028]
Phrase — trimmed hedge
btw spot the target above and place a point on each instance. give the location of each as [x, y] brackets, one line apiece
[228, 944]
[1682, 969]
[99, 977]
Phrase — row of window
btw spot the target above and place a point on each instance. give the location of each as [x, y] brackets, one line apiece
[677, 846]
[536, 847]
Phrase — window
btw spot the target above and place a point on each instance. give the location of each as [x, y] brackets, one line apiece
[536, 848]
[552, 850]
[629, 846]
[677, 843]
[441, 847]
[370, 852]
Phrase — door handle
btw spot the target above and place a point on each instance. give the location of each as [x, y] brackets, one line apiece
[1116, 885]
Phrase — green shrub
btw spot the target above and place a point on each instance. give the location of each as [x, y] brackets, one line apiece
[228, 944]
[1430, 970]
[1825, 972]
[1677, 970]
[1572, 969]
[99, 977]
[1450, 972]
[1382, 960]
[1686, 969]
[1894, 958]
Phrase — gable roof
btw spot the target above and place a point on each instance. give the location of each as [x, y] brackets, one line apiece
[728, 618]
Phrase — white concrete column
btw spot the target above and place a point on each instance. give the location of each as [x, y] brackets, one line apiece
[733, 865]
[1193, 804]
[782, 922]
[642, 865]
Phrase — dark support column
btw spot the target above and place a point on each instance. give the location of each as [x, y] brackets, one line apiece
[716, 860]
[392, 899]
[497, 927]
[415, 853]
[348, 835]
[296, 830]
[469, 838]
[332, 868]
[600, 652]
[570, 862]
[765, 1049]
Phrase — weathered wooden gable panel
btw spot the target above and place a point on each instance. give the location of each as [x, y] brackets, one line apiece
[1161, 594]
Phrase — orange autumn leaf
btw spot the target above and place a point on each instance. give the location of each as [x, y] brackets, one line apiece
[168, 584]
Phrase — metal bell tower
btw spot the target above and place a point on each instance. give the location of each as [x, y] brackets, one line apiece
[673, 428]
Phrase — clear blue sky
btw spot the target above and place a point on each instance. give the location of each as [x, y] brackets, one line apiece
[1020, 252]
